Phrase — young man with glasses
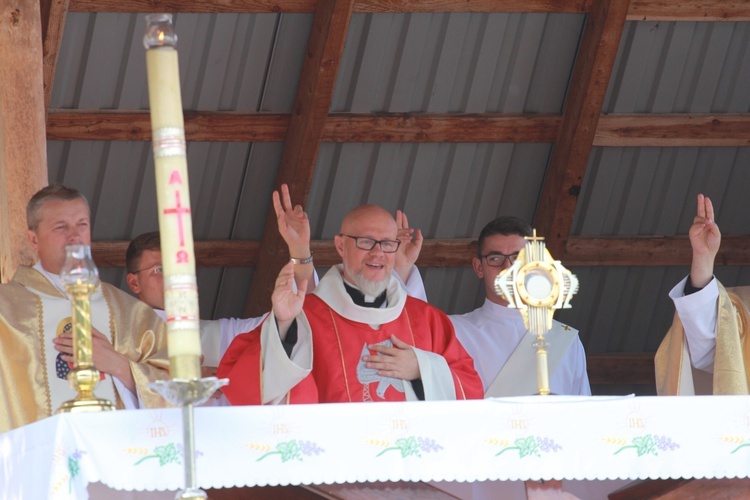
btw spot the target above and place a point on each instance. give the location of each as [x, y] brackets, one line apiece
[143, 261]
[372, 342]
[495, 335]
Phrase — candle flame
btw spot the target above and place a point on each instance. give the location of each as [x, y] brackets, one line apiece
[161, 36]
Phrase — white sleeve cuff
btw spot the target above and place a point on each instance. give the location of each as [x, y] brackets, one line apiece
[414, 285]
[280, 372]
[698, 313]
[436, 376]
[129, 400]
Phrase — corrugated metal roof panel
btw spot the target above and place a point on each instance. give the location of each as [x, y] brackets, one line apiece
[457, 62]
[652, 191]
[681, 67]
[237, 62]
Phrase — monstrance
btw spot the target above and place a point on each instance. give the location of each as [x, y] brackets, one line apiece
[537, 285]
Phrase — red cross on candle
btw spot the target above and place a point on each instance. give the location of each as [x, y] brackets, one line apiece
[179, 210]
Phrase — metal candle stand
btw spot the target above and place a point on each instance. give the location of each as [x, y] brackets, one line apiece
[186, 394]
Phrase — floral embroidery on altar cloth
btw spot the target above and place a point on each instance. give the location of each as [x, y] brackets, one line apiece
[528, 446]
[409, 446]
[291, 450]
[647, 444]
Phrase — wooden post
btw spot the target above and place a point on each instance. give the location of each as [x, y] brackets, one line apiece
[302, 142]
[23, 147]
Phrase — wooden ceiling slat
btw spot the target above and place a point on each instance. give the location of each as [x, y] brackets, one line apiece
[650, 251]
[672, 130]
[621, 368]
[582, 252]
[87, 125]
[423, 127]
[582, 109]
[568, 6]
[302, 6]
[302, 143]
[640, 10]
[193, 6]
[53, 14]
[689, 10]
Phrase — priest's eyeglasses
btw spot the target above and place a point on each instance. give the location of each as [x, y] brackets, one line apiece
[155, 269]
[497, 259]
[363, 243]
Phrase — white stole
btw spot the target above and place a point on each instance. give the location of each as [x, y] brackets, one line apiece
[516, 378]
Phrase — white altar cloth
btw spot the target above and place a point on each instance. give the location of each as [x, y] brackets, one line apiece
[535, 437]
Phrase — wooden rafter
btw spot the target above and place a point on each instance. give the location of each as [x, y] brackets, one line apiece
[300, 6]
[672, 130]
[302, 143]
[582, 251]
[640, 10]
[53, 14]
[689, 10]
[582, 109]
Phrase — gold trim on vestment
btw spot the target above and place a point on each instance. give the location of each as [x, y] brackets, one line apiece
[732, 356]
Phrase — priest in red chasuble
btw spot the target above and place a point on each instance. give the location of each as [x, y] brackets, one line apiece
[357, 337]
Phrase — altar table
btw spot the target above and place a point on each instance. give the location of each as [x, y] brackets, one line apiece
[535, 437]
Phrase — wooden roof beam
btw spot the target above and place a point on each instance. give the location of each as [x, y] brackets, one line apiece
[689, 10]
[673, 130]
[637, 130]
[302, 6]
[23, 150]
[582, 251]
[640, 10]
[53, 14]
[302, 143]
[582, 109]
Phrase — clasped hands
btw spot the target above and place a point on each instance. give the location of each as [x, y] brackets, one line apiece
[105, 358]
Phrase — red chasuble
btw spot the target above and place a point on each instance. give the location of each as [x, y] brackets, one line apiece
[339, 344]
[339, 335]
[243, 366]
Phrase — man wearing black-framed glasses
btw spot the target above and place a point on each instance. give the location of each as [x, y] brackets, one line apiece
[495, 335]
[372, 342]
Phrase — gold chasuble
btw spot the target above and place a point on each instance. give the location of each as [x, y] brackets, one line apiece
[732, 358]
[26, 382]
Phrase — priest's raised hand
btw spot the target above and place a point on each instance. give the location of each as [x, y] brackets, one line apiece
[286, 300]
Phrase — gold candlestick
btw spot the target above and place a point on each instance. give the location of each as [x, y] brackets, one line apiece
[537, 285]
[80, 277]
[173, 197]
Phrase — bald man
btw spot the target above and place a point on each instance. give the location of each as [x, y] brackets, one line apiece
[371, 341]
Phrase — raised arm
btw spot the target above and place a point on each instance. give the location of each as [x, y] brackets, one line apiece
[294, 227]
[705, 239]
[411, 244]
[286, 303]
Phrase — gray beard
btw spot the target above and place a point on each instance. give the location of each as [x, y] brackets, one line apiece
[371, 288]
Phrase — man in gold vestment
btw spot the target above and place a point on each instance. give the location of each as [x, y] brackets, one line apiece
[709, 334]
[129, 339]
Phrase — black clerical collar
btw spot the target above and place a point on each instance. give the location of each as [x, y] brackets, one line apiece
[359, 298]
